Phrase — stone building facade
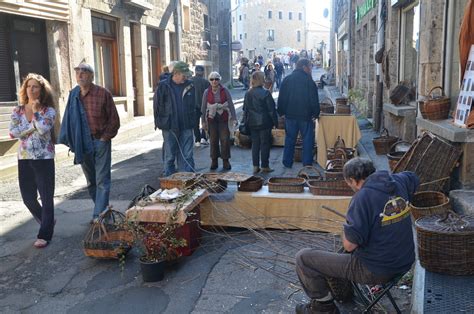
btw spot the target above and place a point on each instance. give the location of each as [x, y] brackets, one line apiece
[127, 41]
[263, 26]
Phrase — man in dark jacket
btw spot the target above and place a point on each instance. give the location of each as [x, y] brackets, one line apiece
[280, 70]
[175, 110]
[298, 101]
[200, 85]
[377, 234]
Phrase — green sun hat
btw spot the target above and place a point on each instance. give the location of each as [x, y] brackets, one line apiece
[182, 67]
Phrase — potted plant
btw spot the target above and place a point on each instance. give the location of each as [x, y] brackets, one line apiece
[158, 244]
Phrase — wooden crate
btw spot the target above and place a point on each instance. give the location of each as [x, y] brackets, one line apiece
[278, 137]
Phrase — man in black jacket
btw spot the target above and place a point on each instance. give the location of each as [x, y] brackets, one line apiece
[200, 85]
[176, 111]
[298, 101]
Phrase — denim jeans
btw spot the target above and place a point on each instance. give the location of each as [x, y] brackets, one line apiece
[178, 145]
[306, 128]
[96, 168]
[38, 176]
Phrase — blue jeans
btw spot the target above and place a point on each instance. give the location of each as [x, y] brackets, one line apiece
[306, 128]
[96, 168]
[178, 145]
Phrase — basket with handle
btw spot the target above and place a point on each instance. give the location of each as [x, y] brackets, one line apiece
[310, 173]
[286, 185]
[334, 169]
[383, 142]
[327, 106]
[107, 238]
[445, 242]
[435, 108]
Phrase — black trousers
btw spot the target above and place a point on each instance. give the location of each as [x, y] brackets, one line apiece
[261, 144]
[38, 176]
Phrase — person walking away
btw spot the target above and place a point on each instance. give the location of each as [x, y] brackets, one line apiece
[260, 114]
[298, 101]
[286, 61]
[200, 85]
[90, 122]
[175, 111]
[219, 112]
[377, 236]
[280, 71]
[270, 76]
[32, 122]
[244, 74]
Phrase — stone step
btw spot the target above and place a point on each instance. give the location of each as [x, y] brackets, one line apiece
[462, 201]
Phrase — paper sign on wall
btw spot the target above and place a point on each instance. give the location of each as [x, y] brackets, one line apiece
[466, 95]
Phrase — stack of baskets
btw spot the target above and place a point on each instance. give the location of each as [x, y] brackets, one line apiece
[340, 150]
[383, 143]
[435, 108]
[286, 185]
[108, 238]
[342, 106]
[445, 243]
[318, 185]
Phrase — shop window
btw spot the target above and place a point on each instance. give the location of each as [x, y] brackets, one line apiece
[410, 44]
[105, 53]
[154, 57]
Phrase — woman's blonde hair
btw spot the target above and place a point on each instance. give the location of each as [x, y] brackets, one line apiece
[258, 79]
[46, 94]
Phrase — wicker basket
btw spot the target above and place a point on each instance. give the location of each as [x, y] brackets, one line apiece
[298, 156]
[253, 184]
[336, 153]
[286, 185]
[180, 180]
[212, 182]
[332, 187]
[435, 108]
[106, 238]
[281, 123]
[241, 140]
[327, 106]
[400, 94]
[384, 142]
[429, 203]
[395, 153]
[445, 244]
[334, 169]
[342, 107]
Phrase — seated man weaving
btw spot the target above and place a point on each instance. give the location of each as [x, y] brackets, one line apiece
[378, 235]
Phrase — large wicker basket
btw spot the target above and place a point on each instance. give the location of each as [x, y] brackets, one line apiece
[429, 203]
[383, 142]
[396, 152]
[336, 153]
[342, 107]
[445, 243]
[286, 185]
[309, 173]
[333, 187]
[180, 180]
[334, 169]
[435, 108]
[253, 184]
[107, 238]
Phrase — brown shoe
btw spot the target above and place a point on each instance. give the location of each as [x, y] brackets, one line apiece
[267, 169]
[226, 164]
[214, 164]
[315, 307]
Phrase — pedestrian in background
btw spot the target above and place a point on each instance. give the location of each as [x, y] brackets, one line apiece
[200, 85]
[298, 101]
[244, 73]
[280, 71]
[175, 110]
[32, 122]
[90, 122]
[219, 112]
[260, 115]
[256, 68]
[270, 76]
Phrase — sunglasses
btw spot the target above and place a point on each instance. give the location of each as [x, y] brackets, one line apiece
[214, 79]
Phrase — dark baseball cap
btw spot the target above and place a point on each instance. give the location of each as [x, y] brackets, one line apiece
[199, 69]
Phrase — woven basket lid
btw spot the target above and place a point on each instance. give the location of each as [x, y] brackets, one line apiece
[451, 223]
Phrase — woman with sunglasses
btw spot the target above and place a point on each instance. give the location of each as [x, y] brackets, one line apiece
[32, 122]
[219, 112]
